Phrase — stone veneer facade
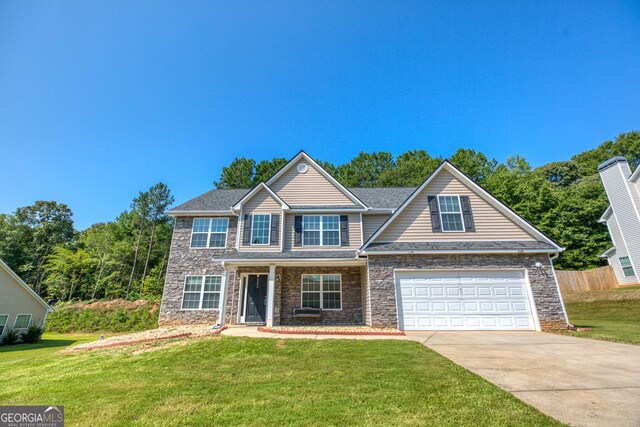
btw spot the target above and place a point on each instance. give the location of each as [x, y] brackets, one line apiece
[185, 261]
[382, 287]
[368, 292]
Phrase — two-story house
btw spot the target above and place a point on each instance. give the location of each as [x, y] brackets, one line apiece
[302, 249]
[622, 218]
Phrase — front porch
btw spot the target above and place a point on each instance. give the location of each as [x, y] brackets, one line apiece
[270, 294]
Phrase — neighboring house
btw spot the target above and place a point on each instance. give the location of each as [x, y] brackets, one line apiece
[445, 255]
[622, 218]
[20, 306]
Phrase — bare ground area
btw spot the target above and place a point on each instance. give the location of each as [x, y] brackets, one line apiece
[153, 335]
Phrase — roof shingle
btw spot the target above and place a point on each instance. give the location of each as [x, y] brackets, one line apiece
[224, 199]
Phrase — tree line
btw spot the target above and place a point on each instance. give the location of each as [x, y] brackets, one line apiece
[123, 258]
[127, 257]
[563, 199]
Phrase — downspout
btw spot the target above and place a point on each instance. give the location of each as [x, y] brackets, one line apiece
[555, 278]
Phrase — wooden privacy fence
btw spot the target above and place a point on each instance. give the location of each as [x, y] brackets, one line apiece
[596, 279]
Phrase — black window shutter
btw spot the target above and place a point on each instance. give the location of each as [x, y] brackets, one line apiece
[275, 227]
[435, 214]
[344, 230]
[298, 231]
[467, 215]
[247, 230]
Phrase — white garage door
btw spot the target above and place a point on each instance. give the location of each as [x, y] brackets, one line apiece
[463, 300]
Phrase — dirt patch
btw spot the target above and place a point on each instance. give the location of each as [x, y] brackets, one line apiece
[148, 338]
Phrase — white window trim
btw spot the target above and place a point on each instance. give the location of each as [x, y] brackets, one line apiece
[209, 233]
[268, 230]
[16, 320]
[464, 229]
[302, 291]
[633, 270]
[202, 292]
[4, 327]
[321, 230]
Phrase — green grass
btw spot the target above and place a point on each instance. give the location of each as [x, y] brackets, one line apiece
[49, 343]
[613, 314]
[112, 316]
[243, 381]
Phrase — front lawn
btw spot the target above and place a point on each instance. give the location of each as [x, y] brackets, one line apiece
[244, 381]
[613, 314]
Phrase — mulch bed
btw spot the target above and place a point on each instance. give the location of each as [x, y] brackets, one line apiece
[320, 331]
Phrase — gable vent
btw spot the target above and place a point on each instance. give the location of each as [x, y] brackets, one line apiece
[302, 167]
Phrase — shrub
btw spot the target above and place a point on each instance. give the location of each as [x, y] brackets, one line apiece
[33, 334]
[10, 337]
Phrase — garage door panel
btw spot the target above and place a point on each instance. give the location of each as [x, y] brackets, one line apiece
[423, 306]
[464, 300]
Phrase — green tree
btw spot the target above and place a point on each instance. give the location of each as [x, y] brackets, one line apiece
[365, 169]
[267, 168]
[561, 173]
[29, 236]
[239, 174]
[626, 145]
[474, 164]
[140, 208]
[160, 199]
[412, 168]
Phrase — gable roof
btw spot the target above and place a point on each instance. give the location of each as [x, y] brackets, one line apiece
[635, 175]
[505, 210]
[25, 286]
[606, 214]
[255, 191]
[332, 180]
[607, 253]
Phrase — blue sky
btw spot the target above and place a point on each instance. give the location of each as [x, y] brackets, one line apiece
[99, 100]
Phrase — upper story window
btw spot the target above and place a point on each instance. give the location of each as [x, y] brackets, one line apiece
[321, 230]
[450, 213]
[627, 268]
[209, 232]
[260, 228]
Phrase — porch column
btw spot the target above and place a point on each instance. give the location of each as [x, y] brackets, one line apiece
[271, 292]
[223, 295]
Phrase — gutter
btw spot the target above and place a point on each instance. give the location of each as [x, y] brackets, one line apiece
[466, 251]
[196, 213]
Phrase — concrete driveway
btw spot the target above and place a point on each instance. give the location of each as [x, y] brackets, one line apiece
[575, 380]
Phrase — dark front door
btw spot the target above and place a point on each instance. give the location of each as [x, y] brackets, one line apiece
[256, 298]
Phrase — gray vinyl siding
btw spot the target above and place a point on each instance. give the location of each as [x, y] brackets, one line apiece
[308, 189]
[623, 202]
[621, 251]
[371, 223]
[289, 234]
[261, 203]
[15, 299]
[413, 224]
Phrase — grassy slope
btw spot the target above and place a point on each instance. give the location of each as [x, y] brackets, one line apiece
[240, 381]
[112, 316]
[613, 314]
